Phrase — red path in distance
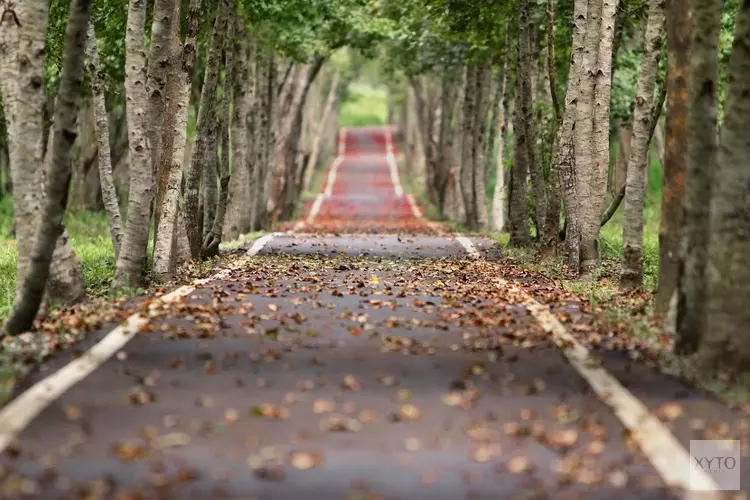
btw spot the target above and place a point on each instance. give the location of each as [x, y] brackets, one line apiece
[363, 196]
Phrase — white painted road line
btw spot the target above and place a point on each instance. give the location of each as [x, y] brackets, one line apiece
[19, 413]
[342, 142]
[414, 207]
[315, 208]
[330, 181]
[332, 175]
[468, 246]
[664, 451]
[393, 167]
[260, 243]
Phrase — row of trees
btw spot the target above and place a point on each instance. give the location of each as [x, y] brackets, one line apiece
[251, 70]
[530, 85]
[543, 87]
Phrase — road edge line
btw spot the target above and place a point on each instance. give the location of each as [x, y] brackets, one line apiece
[24, 408]
[328, 188]
[390, 158]
[667, 455]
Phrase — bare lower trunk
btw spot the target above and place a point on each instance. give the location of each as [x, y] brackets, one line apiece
[294, 148]
[479, 194]
[554, 193]
[50, 227]
[312, 162]
[725, 343]
[239, 211]
[496, 137]
[260, 136]
[455, 208]
[171, 225]
[631, 275]
[167, 113]
[212, 240]
[446, 137]
[109, 194]
[266, 145]
[467, 132]
[284, 143]
[564, 153]
[519, 211]
[679, 23]
[132, 258]
[599, 169]
[658, 144]
[203, 157]
[701, 161]
[528, 52]
[21, 73]
[585, 148]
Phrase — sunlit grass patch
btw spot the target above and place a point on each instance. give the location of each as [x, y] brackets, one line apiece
[363, 105]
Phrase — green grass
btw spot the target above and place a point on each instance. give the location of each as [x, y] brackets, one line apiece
[89, 235]
[364, 105]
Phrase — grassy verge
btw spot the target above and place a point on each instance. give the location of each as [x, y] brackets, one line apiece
[89, 235]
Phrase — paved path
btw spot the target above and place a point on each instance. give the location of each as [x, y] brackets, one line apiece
[394, 365]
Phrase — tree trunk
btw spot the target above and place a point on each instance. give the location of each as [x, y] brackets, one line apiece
[519, 208]
[467, 132]
[455, 208]
[479, 177]
[679, 27]
[631, 275]
[167, 113]
[312, 163]
[109, 194]
[132, 258]
[659, 144]
[494, 139]
[585, 150]
[564, 161]
[167, 251]
[528, 91]
[596, 165]
[293, 156]
[212, 240]
[448, 94]
[554, 194]
[260, 135]
[50, 227]
[160, 63]
[500, 194]
[701, 161]
[725, 343]
[203, 158]
[267, 144]
[22, 78]
[239, 211]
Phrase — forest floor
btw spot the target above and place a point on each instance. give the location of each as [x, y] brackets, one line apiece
[363, 352]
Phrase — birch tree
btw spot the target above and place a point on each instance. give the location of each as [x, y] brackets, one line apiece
[172, 159]
[109, 194]
[631, 275]
[132, 257]
[200, 163]
[725, 343]
[50, 227]
[702, 159]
